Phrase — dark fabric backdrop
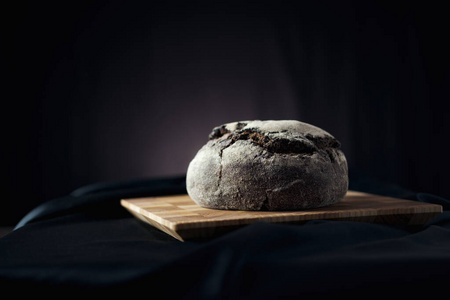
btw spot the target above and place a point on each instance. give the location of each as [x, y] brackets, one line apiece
[114, 90]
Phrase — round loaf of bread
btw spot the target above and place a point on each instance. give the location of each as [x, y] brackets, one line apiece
[268, 165]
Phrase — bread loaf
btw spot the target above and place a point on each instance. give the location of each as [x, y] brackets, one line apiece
[268, 165]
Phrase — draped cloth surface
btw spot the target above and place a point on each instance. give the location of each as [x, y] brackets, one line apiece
[87, 244]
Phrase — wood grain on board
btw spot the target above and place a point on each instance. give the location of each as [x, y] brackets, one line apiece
[182, 218]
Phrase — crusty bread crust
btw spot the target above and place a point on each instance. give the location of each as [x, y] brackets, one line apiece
[268, 165]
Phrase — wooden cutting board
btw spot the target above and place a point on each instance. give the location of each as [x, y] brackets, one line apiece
[182, 218]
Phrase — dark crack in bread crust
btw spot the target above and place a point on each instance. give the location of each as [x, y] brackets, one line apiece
[268, 165]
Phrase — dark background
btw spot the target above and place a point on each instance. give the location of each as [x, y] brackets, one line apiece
[115, 90]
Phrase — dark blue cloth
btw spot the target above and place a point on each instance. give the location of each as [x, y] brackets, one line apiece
[87, 244]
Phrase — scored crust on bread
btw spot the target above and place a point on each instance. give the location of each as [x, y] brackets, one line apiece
[268, 165]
